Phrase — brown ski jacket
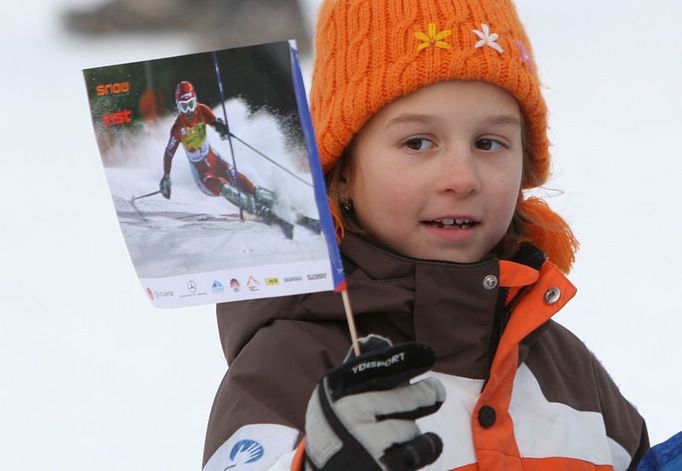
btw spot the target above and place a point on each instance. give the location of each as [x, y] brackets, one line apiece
[523, 393]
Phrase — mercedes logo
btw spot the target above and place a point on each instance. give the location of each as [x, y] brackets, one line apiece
[191, 286]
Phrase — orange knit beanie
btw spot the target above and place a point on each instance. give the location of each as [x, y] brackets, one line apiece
[370, 52]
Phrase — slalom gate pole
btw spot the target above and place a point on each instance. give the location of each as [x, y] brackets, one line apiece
[227, 126]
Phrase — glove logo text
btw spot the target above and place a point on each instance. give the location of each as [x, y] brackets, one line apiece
[398, 357]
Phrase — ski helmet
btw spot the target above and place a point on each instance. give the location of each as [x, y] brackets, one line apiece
[185, 97]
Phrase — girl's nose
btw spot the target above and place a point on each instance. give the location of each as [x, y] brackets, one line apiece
[458, 173]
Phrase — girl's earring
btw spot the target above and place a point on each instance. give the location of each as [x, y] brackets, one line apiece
[347, 205]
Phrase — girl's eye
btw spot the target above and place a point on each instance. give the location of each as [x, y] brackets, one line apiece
[489, 144]
[418, 143]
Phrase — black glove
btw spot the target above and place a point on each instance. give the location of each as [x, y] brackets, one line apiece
[220, 127]
[362, 414]
[165, 186]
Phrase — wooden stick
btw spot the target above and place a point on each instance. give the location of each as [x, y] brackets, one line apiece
[351, 322]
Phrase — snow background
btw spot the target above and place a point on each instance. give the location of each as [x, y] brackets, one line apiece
[93, 378]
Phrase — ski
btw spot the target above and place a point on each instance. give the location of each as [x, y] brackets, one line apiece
[309, 223]
[287, 227]
[262, 202]
[218, 218]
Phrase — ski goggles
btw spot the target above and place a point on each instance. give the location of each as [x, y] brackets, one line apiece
[187, 106]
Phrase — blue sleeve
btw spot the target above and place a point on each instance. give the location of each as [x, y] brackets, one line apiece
[666, 456]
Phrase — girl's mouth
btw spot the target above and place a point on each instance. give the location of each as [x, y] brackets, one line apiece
[453, 223]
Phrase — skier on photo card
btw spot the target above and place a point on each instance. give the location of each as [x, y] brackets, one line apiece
[212, 174]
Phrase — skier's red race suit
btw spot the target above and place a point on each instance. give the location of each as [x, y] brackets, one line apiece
[210, 171]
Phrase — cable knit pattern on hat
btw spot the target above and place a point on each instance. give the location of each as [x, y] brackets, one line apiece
[367, 56]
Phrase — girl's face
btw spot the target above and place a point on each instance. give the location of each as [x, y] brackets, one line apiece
[436, 174]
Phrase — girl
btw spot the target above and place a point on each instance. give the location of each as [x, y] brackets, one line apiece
[430, 124]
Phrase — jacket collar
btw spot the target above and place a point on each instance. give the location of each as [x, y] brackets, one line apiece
[452, 306]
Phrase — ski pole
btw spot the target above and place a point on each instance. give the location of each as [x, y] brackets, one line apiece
[145, 196]
[134, 198]
[269, 159]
